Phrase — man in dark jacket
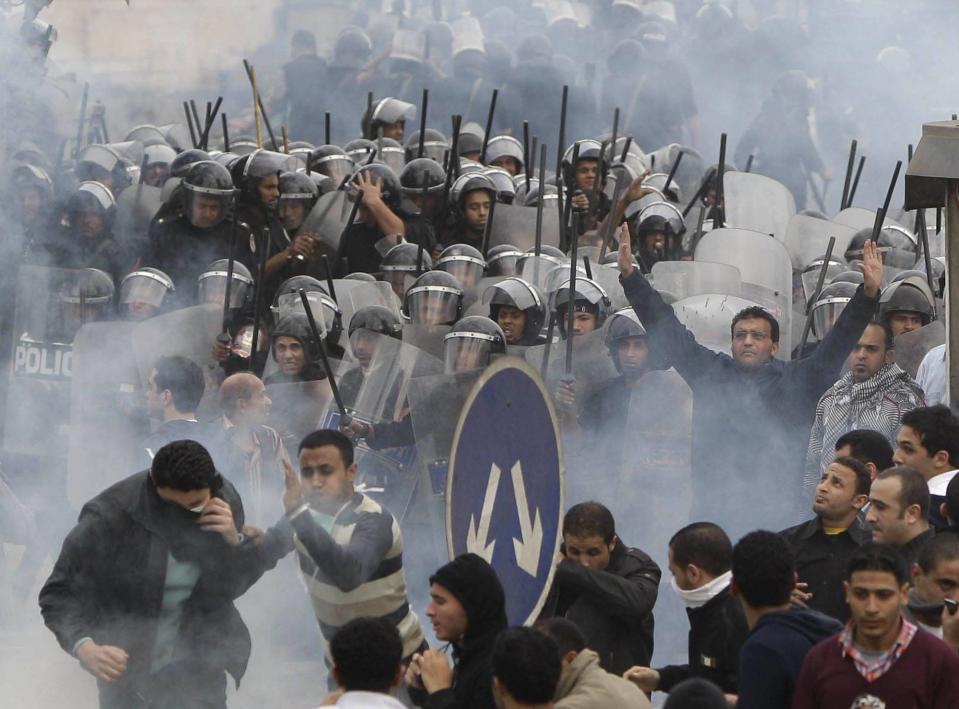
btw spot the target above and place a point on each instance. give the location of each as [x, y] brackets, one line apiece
[750, 401]
[142, 593]
[606, 588]
[823, 544]
[779, 637]
[700, 556]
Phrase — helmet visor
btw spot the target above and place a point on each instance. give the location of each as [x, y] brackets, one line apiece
[433, 306]
[463, 353]
[466, 272]
[212, 289]
[205, 210]
[142, 289]
[825, 315]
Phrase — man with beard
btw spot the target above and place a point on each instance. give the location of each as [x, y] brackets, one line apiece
[142, 593]
[749, 396]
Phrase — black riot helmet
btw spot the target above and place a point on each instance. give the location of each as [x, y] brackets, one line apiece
[505, 189]
[589, 298]
[899, 248]
[399, 266]
[184, 161]
[471, 182]
[360, 276]
[386, 111]
[376, 318]
[810, 273]
[30, 177]
[622, 325]
[143, 291]
[506, 152]
[250, 169]
[296, 325]
[435, 298]
[288, 293]
[909, 294]
[207, 190]
[550, 195]
[391, 153]
[589, 149]
[390, 190]
[108, 163]
[332, 161]
[501, 260]
[296, 185]
[359, 151]
[463, 262]
[211, 285]
[469, 142]
[832, 300]
[352, 48]
[94, 199]
[325, 311]
[472, 343]
[419, 172]
[435, 145]
[522, 295]
[84, 296]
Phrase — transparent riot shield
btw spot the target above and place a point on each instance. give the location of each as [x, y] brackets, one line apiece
[687, 278]
[298, 408]
[592, 366]
[136, 207]
[857, 218]
[539, 270]
[352, 295]
[911, 347]
[188, 332]
[708, 316]
[516, 225]
[473, 297]
[690, 171]
[766, 271]
[107, 415]
[52, 305]
[328, 218]
[808, 237]
[607, 277]
[428, 338]
[757, 202]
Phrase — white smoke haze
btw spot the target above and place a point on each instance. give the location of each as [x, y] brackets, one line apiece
[879, 70]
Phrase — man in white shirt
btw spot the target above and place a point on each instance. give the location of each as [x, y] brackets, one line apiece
[929, 442]
[931, 375]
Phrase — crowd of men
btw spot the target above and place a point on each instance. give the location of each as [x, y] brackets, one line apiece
[224, 347]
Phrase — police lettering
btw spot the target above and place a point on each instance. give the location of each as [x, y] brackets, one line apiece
[41, 361]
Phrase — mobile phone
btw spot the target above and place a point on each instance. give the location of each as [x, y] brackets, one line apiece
[952, 605]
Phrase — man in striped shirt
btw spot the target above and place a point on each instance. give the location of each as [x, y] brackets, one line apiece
[350, 548]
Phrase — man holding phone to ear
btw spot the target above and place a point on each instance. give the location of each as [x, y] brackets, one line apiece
[142, 592]
[934, 595]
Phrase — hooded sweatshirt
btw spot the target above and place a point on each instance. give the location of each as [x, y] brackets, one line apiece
[877, 404]
[583, 684]
[773, 654]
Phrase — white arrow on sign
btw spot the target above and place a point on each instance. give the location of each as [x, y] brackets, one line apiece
[476, 537]
[527, 551]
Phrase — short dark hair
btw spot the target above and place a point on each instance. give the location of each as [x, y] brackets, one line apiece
[589, 518]
[764, 569]
[889, 340]
[952, 500]
[867, 446]
[863, 480]
[183, 465]
[704, 544]
[695, 693]
[877, 557]
[937, 428]
[329, 437]
[366, 654]
[184, 378]
[914, 489]
[565, 633]
[527, 664]
[942, 547]
[754, 311]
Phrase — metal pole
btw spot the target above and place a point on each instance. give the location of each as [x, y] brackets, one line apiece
[855, 181]
[489, 125]
[344, 417]
[720, 215]
[843, 203]
[809, 306]
[425, 104]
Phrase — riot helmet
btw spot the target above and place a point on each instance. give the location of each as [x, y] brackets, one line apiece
[590, 150]
[469, 143]
[158, 159]
[211, 285]
[462, 261]
[298, 194]
[435, 298]
[390, 152]
[85, 297]
[90, 210]
[207, 194]
[359, 151]
[472, 213]
[332, 161]
[422, 172]
[297, 326]
[34, 191]
[399, 266]
[505, 189]
[143, 291]
[147, 134]
[501, 260]
[326, 313]
[288, 293]
[810, 274]
[829, 305]
[435, 145]
[515, 299]
[589, 298]
[184, 161]
[250, 171]
[550, 195]
[622, 326]
[472, 343]
[899, 248]
[360, 276]
[390, 190]
[108, 164]
[386, 117]
[907, 304]
[376, 318]
[352, 48]
[505, 152]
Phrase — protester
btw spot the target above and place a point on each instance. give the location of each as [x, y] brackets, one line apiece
[366, 655]
[173, 394]
[929, 442]
[870, 448]
[935, 581]
[526, 669]
[899, 510]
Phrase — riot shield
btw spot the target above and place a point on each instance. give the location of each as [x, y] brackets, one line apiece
[188, 332]
[473, 297]
[352, 295]
[687, 278]
[328, 218]
[807, 238]
[608, 278]
[757, 202]
[709, 315]
[766, 271]
[911, 347]
[516, 225]
[52, 304]
[690, 171]
[107, 418]
[428, 338]
[136, 207]
[298, 408]
[857, 218]
[592, 365]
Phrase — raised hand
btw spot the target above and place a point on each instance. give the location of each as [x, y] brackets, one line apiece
[871, 268]
[624, 259]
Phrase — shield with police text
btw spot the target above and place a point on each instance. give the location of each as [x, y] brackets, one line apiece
[505, 490]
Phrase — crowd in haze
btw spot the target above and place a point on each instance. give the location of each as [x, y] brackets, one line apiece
[227, 339]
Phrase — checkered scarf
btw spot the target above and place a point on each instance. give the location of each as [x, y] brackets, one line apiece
[873, 669]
